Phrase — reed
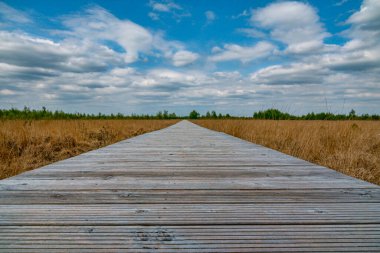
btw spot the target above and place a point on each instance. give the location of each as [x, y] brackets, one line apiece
[25, 145]
[350, 147]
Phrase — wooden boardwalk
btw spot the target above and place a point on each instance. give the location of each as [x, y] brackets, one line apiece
[187, 189]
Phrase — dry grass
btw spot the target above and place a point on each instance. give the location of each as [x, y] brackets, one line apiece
[25, 145]
[350, 147]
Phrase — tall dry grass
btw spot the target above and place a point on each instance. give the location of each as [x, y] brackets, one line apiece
[350, 147]
[25, 145]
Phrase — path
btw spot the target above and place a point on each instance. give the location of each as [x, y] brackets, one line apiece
[190, 189]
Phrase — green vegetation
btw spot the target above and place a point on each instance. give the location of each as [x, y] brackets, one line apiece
[194, 114]
[278, 115]
[273, 114]
[27, 114]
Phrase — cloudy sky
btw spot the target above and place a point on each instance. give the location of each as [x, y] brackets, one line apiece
[230, 56]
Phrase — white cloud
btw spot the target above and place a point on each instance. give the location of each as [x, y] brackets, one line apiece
[294, 23]
[77, 56]
[183, 57]
[228, 75]
[210, 16]
[82, 65]
[10, 14]
[99, 24]
[167, 7]
[294, 74]
[123, 71]
[6, 92]
[245, 13]
[179, 78]
[362, 51]
[164, 6]
[353, 60]
[340, 3]
[369, 15]
[339, 75]
[234, 52]
[365, 26]
[153, 16]
[81, 69]
[216, 50]
[50, 96]
[252, 32]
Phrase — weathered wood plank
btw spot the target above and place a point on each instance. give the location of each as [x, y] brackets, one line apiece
[188, 189]
[191, 196]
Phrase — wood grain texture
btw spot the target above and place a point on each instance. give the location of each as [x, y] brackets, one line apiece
[187, 189]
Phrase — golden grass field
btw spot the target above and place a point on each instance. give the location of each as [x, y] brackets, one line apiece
[350, 147]
[25, 145]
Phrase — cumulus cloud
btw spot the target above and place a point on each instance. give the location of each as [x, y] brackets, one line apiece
[365, 27]
[359, 60]
[11, 73]
[294, 23]
[234, 52]
[105, 63]
[98, 24]
[25, 50]
[294, 74]
[183, 57]
[362, 51]
[88, 33]
[334, 73]
[166, 78]
[88, 61]
[368, 18]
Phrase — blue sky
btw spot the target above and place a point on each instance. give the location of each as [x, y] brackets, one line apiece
[230, 56]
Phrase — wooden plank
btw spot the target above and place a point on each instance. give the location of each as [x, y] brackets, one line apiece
[181, 183]
[188, 189]
[207, 214]
[255, 238]
[191, 196]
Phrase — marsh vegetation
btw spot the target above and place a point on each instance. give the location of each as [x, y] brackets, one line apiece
[350, 147]
[29, 144]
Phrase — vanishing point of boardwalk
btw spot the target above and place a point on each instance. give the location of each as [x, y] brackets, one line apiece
[187, 189]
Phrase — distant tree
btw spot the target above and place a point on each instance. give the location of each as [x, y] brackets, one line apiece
[208, 115]
[213, 114]
[194, 114]
[159, 115]
[352, 114]
[272, 114]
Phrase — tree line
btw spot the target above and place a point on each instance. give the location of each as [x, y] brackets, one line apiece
[270, 114]
[278, 115]
[275, 114]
